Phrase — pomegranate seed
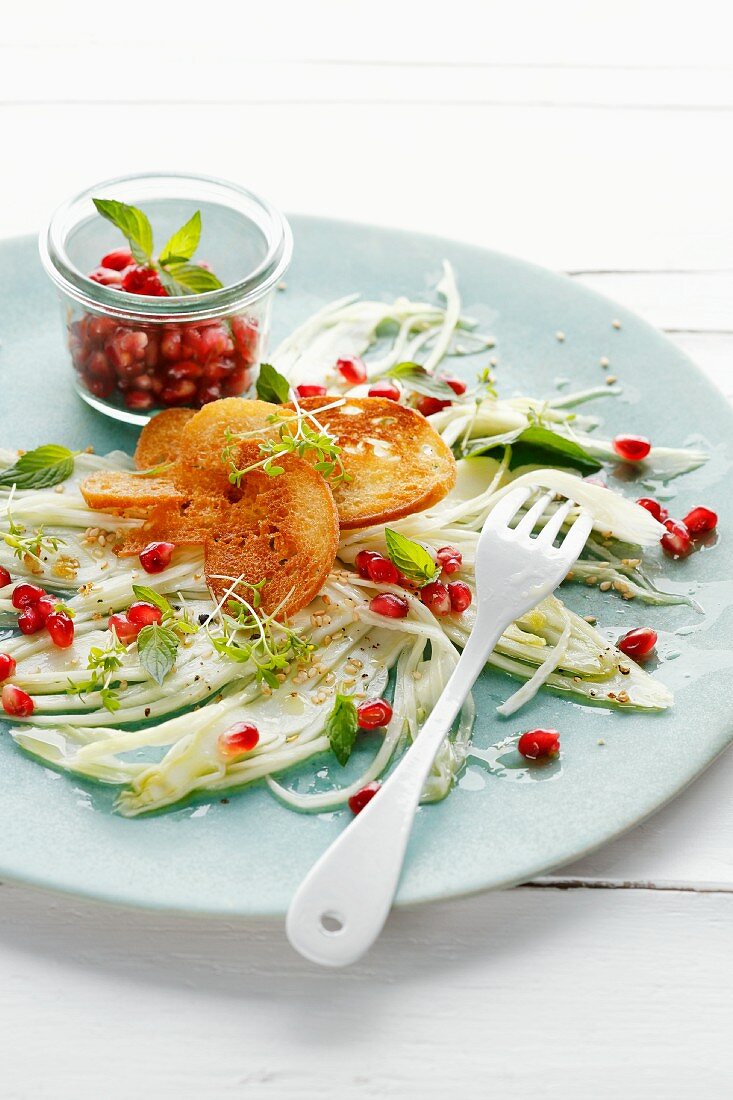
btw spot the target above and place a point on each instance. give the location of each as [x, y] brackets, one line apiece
[185, 368]
[26, 594]
[352, 370]
[389, 605]
[5, 577]
[456, 384]
[30, 620]
[45, 606]
[214, 342]
[7, 666]
[460, 596]
[170, 345]
[373, 713]
[362, 562]
[98, 366]
[125, 630]
[632, 448]
[61, 629]
[100, 327]
[106, 276]
[246, 335]
[429, 405]
[653, 506]
[237, 382]
[143, 614]
[450, 559]
[139, 399]
[358, 801]
[539, 743]
[436, 596]
[117, 260]
[143, 280]
[239, 739]
[700, 520]
[676, 542]
[387, 390]
[310, 390]
[179, 393]
[208, 393]
[101, 387]
[157, 556]
[638, 642]
[382, 570]
[16, 702]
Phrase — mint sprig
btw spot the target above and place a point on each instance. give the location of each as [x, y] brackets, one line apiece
[341, 728]
[41, 468]
[411, 558]
[272, 386]
[157, 644]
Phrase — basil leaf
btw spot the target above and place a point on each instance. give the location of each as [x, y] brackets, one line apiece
[410, 557]
[157, 647]
[40, 469]
[272, 386]
[542, 447]
[341, 728]
[132, 223]
[414, 377]
[149, 595]
[183, 243]
[190, 278]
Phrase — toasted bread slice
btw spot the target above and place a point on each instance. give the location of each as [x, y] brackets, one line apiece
[160, 439]
[284, 529]
[204, 438]
[120, 492]
[397, 463]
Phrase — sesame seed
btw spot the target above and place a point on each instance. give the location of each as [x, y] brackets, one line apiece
[615, 323]
[590, 619]
[611, 379]
[560, 337]
[604, 586]
[605, 362]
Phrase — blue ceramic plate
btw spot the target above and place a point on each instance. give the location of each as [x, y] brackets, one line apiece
[248, 854]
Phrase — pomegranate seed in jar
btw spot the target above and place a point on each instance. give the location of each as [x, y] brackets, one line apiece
[389, 605]
[16, 702]
[676, 542]
[125, 630]
[106, 276]
[7, 666]
[205, 394]
[101, 387]
[178, 393]
[139, 399]
[373, 713]
[61, 629]
[143, 280]
[25, 594]
[246, 336]
[99, 328]
[185, 368]
[460, 596]
[157, 556]
[362, 798]
[700, 520]
[449, 558]
[5, 577]
[387, 390]
[143, 614]
[382, 570]
[352, 370]
[239, 739]
[654, 507]
[310, 390]
[170, 344]
[118, 260]
[30, 620]
[362, 560]
[456, 384]
[436, 596]
[536, 744]
[632, 448]
[638, 643]
[430, 405]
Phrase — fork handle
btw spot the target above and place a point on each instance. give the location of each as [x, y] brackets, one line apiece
[343, 902]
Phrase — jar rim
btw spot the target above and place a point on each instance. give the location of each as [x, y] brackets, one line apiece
[125, 306]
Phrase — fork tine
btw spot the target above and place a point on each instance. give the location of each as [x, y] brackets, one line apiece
[507, 508]
[549, 532]
[577, 536]
[527, 524]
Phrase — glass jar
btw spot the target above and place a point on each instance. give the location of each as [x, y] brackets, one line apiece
[134, 354]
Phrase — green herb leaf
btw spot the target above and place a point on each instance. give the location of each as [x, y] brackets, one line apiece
[132, 223]
[40, 469]
[341, 728]
[109, 699]
[149, 595]
[183, 243]
[157, 647]
[410, 557]
[414, 377]
[272, 386]
[538, 446]
[189, 278]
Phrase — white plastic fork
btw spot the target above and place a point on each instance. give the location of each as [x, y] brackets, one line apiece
[342, 904]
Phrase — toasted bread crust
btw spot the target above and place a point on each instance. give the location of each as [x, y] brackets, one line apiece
[119, 492]
[160, 439]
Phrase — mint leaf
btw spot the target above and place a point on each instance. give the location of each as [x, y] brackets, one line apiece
[272, 386]
[410, 557]
[341, 728]
[133, 224]
[149, 595]
[414, 377]
[183, 243]
[40, 469]
[190, 278]
[542, 447]
[157, 647]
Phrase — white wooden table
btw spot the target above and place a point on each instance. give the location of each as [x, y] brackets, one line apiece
[592, 139]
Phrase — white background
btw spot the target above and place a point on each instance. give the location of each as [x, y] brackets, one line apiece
[594, 139]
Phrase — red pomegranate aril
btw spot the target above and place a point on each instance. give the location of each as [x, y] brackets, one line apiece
[436, 596]
[352, 370]
[5, 577]
[537, 744]
[7, 666]
[239, 739]
[178, 393]
[118, 260]
[246, 335]
[214, 342]
[170, 344]
[700, 520]
[449, 558]
[186, 368]
[460, 596]
[389, 605]
[205, 394]
[310, 389]
[16, 702]
[46, 606]
[98, 366]
[125, 630]
[60, 627]
[676, 541]
[157, 556]
[106, 276]
[428, 406]
[362, 560]
[152, 352]
[456, 384]
[373, 713]
[25, 594]
[362, 798]
[654, 507]
[30, 620]
[99, 328]
[382, 570]
[387, 390]
[638, 643]
[101, 387]
[632, 448]
[139, 399]
[143, 614]
[236, 382]
[143, 280]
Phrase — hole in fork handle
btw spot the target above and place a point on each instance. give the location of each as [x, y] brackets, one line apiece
[331, 923]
